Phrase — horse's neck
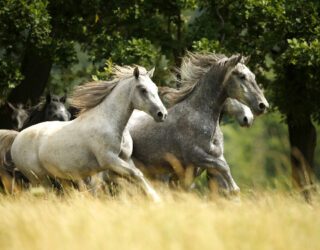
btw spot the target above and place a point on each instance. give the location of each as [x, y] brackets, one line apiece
[116, 108]
[208, 98]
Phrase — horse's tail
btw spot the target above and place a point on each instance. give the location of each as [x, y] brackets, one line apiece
[6, 140]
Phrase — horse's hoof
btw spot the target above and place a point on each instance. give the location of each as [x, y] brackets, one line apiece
[235, 191]
[156, 198]
[236, 199]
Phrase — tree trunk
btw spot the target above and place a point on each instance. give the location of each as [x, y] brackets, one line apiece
[178, 50]
[302, 136]
[35, 67]
[5, 117]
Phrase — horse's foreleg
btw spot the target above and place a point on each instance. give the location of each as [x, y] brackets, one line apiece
[234, 187]
[217, 183]
[217, 164]
[121, 167]
[227, 179]
[145, 184]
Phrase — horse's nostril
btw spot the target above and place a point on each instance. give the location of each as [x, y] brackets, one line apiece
[160, 114]
[262, 107]
[245, 120]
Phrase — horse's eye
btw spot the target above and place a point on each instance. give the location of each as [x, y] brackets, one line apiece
[242, 77]
[143, 91]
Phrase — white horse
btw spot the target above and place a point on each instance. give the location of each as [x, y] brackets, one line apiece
[97, 139]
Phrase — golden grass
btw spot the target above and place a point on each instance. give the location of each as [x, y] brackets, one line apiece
[182, 221]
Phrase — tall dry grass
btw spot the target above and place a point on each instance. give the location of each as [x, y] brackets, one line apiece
[262, 220]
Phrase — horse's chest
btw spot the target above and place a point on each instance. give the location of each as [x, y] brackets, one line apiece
[126, 146]
[200, 134]
[216, 150]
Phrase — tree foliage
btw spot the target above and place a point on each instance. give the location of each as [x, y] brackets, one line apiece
[20, 22]
[281, 37]
[147, 32]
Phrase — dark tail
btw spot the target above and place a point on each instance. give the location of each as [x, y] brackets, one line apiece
[6, 167]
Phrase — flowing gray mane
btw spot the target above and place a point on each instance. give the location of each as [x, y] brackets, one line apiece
[89, 95]
[193, 67]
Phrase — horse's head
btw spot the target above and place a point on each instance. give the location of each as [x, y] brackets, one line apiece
[145, 96]
[55, 109]
[18, 116]
[239, 111]
[241, 85]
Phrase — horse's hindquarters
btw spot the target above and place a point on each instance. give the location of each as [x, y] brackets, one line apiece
[24, 153]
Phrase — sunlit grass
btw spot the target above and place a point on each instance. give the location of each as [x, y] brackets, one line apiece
[268, 216]
[262, 220]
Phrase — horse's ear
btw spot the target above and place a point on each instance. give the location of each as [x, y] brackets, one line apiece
[28, 104]
[63, 98]
[48, 98]
[136, 72]
[20, 106]
[11, 106]
[151, 72]
[246, 59]
[234, 60]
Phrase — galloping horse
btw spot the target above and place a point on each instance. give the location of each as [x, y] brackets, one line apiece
[189, 132]
[97, 139]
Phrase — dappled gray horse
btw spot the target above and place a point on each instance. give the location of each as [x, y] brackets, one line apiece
[231, 107]
[188, 133]
[97, 139]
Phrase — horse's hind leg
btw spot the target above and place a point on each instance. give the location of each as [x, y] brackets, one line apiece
[92, 184]
[8, 183]
[8, 176]
[111, 183]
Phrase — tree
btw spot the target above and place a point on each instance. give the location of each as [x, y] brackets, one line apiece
[37, 35]
[282, 38]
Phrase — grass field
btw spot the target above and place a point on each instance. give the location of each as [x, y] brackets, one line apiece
[262, 220]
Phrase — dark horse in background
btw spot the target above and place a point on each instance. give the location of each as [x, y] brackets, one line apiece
[52, 109]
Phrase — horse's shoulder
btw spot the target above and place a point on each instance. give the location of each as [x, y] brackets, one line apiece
[106, 140]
